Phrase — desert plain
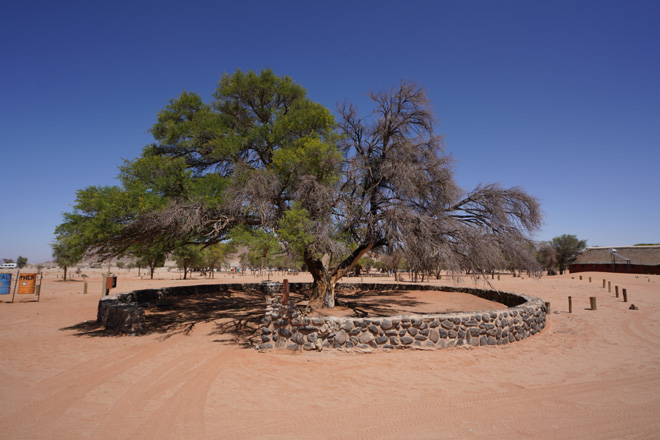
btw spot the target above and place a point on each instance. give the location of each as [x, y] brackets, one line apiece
[590, 374]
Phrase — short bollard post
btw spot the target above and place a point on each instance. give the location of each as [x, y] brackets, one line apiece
[603, 284]
[593, 302]
[609, 286]
[625, 296]
[580, 277]
[570, 304]
[589, 279]
[85, 288]
[616, 291]
[498, 277]
[547, 308]
[285, 292]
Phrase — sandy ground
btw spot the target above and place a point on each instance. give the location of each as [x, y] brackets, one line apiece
[588, 375]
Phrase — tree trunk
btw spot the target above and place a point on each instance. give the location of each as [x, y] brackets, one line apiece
[323, 293]
[325, 279]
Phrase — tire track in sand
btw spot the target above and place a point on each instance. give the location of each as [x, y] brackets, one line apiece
[554, 406]
[62, 391]
[168, 405]
[183, 411]
[634, 326]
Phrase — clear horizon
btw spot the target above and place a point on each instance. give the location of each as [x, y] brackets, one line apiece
[561, 98]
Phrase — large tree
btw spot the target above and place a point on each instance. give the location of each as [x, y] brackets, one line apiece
[263, 157]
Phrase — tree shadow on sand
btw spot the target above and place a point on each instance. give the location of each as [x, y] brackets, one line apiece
[237, 315]
[372, 303]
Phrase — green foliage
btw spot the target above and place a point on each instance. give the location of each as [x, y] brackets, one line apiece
[67, 251]
[100, 213]
[215, 255]
[152, 256]
[295, 229]
[308, 156]
[567, 247]
[188, 257]
[21, 262]
[263, 247]
[254, 146]
[647, 244]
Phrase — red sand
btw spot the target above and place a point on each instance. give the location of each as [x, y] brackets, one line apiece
[587, 375]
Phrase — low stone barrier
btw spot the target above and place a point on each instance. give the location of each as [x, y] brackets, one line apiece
[124, 312]
[286, 327]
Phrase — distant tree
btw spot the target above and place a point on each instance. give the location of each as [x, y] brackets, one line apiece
[21, 262]
[546, 255]
[188, 257]
[567, 247]
[150, 257]
[216, 255]
[67, 252]
[8, 260]
[263, 248]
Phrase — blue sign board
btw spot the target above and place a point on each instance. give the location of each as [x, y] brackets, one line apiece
[5, 283]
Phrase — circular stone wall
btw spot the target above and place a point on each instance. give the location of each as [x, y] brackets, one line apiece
[286, 327]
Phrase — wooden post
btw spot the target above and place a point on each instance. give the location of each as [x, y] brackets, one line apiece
[592, 299]
[18, 277]
[625, 296]
[580, 277]
[547, 308]
[570, 305]
[38, 287]
[589, 279]
[609, 286]
[603, 284]
[85, 288]
[616, 291]
[285, 292]
[498, 277]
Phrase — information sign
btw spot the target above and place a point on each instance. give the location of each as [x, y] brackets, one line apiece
[5, 283]
[27, 283]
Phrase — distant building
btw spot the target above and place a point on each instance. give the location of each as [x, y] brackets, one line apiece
[626, 259]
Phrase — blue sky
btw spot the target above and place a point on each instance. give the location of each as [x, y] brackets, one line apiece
[561, 98]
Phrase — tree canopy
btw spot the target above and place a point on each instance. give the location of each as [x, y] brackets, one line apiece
[262, 160]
